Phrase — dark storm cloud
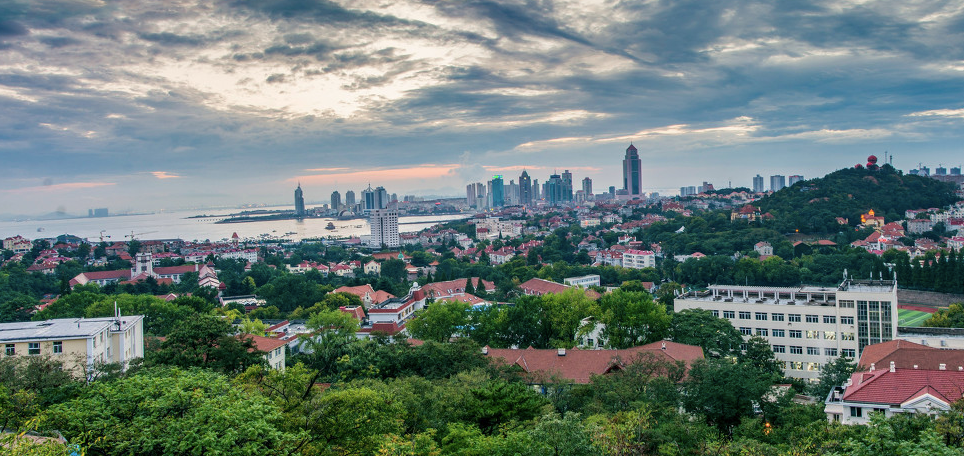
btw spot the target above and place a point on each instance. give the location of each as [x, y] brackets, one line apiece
[172, 39]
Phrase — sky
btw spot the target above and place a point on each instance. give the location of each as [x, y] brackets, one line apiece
[140, 105]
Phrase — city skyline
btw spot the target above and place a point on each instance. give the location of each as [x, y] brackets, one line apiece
[146, 106]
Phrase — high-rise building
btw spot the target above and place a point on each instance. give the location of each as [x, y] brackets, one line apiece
[777, 182]
[498, 191]
[758, 184]
[512, 193]
[587, 187]
[566, 185]
[299, 202]
[335, 200]
[687, 191]
[536, 193]
[706, 187]
[384, 228]
[475, 195]
[555, 190]
[368, 199]
[350, 198]
[525, 189]
[633, 173]
[794, 179]
[612, 189]
[381, 198]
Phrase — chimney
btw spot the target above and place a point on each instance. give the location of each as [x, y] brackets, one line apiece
[892, 366]
[915, 366]
[872, 367]
[561, 352]
[664, 345]
[485, 350]
[942, 367]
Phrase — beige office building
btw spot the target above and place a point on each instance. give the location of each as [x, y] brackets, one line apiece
[807, 327]
[76, 341]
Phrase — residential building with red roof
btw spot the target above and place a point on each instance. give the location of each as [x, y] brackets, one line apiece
[539, 287]
[274, 350]
[579, 366]
[367, 294]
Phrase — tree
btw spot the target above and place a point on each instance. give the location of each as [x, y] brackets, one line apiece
[393, 269]
[835, 373]
[440, 321]
[723, 391]
[171, 411]
[632, 318]
[699, 327]
[207, 342]
[759, 356]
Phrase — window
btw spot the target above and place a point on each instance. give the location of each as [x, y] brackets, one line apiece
[794, 318]
[846, 320]
[716, 313]
[829, 319]
[848, 352]
[742, 347]
[796, 334]
[856, 412]
[846, 336]
[729, 314]
[779, 349]
[762, 332]
[779, 333]
[33, 348]
[847, 304]
[761, 316]
[830, 351]
[744, 315]
[830, 335]
[813, 334]
[795, 350]
[746, 331]
[813, 366]
[813, 351]
[776, 316]
[813, 319]
[797, 365]
[10, 350]
[58, 347]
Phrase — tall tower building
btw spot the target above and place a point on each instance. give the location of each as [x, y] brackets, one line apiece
[335, 200]
[794, 179]
[758, 184]
[777, 182]
[498, 191]
[384, 228]
[299, 202]
[525, 189]
[555, 190]
[368, 199]
[350, 199]
[633, 173]
[381, 198]
[567, 185]
[587, 187]
[536, 194]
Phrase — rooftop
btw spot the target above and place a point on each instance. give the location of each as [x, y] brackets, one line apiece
[62, 328]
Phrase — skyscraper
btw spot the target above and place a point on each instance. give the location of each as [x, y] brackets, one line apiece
[758, 184]
[384, 228]
[350, 199]
[777, 182]
[498, 191]
[335, 200]
[566, 185]
[368, 199]
[299, 202]
[381, 198]
[555, 190]
[587, 187]
[794, 179]
[536, 194]
[525, 189]
[632, 173]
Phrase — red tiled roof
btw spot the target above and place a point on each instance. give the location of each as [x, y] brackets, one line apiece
[885, 387]
[906, 355]
[266, 344]
[536, 286]
[580, 365]
[457, 286]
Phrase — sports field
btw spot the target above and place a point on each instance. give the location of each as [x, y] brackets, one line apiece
[911, 318]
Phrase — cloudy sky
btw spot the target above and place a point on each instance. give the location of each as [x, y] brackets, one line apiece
[147, 105]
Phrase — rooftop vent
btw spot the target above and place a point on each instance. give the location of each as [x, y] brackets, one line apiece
[562, 352]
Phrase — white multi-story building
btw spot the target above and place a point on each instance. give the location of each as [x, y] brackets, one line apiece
[584, 281]
[77, 342]
[639, 259]
[384, 225]
[807, 327]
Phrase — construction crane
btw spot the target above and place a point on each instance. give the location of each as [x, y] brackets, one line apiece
[102, 236]
[133, 234]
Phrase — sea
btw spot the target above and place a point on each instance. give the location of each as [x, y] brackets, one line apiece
[188, 226]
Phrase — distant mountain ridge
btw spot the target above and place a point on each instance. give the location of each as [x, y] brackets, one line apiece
[812, 206]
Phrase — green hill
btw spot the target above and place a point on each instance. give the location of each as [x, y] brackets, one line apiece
[812, 206]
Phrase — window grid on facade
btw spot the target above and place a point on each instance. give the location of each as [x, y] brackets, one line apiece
[846, 320]
[762, 332]
[761, 316]
[58, 347]
[729, 314]
[813, 334]
[779, 333]
[744, 315]
[10, 350]
[796, 334]
[795, 350]
[33, 348]
[829, 319]
[848, 353]
[793, 318]
[813, 351]
[813, 319]
[779, 349]
[776, 316]
[830, 352]
[716, 313]
[746, 331]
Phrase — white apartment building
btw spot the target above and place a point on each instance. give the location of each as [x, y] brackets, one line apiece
[76, 341]
[583, 281]
[639, 259]
[384, 228]
[807, 327]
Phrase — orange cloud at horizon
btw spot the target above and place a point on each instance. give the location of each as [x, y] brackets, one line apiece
[377, 176]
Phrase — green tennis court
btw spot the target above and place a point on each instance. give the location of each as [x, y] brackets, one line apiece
[911, 318]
